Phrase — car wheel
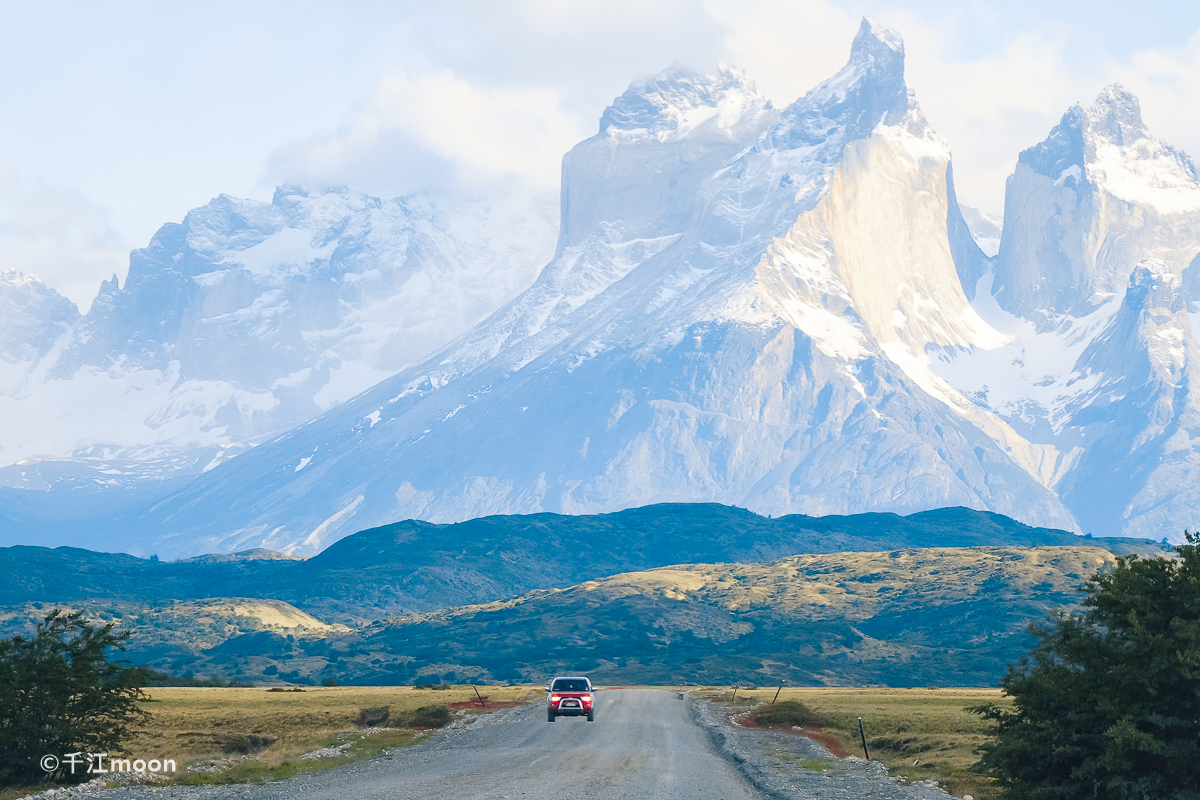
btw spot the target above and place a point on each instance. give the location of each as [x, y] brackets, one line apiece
[591, 715]
[549, 716]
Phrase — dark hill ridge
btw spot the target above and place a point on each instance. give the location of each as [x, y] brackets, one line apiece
[420, 566]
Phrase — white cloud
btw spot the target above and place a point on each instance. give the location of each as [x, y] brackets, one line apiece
[56, 233]
[991, 107]
[1167, 81]
[787, 48]
[426, 131]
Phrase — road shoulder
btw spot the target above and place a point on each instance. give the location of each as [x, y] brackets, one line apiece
[790, 766]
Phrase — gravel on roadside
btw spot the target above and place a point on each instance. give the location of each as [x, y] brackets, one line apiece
[772, 762]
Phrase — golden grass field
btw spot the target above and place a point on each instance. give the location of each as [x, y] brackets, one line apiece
[928, 726]
[194, 724]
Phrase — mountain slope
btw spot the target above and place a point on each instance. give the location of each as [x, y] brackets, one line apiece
[764, 347]
[241, 322]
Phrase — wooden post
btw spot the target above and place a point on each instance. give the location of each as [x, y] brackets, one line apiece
[481, 703]
[777, 691]
[735, 688]
[864, 739]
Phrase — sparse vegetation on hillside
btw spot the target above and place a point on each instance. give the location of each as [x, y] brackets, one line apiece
[899, 617]
[1108, 703]
[420, 566]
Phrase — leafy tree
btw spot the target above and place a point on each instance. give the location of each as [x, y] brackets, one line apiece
[1107, 705]
[59, 694]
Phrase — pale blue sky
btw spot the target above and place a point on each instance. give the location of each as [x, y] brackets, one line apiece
[118, 117]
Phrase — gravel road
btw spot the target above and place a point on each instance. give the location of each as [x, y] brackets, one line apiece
[644, 744]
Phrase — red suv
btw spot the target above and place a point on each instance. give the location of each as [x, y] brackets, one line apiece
[570, 697]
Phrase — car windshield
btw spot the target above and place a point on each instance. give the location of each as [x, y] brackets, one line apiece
[570, 685]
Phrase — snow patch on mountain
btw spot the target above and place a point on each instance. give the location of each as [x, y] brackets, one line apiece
[985, 228]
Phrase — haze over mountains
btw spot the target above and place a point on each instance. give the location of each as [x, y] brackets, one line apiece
[783, 310]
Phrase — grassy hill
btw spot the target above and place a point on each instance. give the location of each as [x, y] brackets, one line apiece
[908, 617]
[701, 593]
[415, 566]
[903, 618]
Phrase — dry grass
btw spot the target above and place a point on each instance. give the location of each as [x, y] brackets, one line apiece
[929, 726]
[841, 585]
[198, 724]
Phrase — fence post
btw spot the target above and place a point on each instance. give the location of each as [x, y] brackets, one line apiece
[481, 703]
[735, 688]
[864, 739]
[777, 691]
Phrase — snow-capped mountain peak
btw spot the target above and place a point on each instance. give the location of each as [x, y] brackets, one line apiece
[1109, 146]
[657, 142]
[245, 320]
[678, 100]
[32, 317]
[1100, 194]
[868, 91]
[1117, 115]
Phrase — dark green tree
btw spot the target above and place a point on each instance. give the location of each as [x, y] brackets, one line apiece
[1108, 703]
[60, 694]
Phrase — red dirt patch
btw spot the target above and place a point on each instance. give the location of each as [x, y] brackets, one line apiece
[818, 735]
[717, 698]
[490, 704]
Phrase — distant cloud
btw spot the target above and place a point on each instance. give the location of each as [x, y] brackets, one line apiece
[438, 131]
[1167, 81]
[786, 48]
[59, 235]
[992, 106]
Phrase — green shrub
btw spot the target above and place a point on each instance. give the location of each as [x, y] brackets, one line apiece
[787, 714]
[60, 694]
[248, 743]
[1108, 703]
[425, 717]
[373, 717]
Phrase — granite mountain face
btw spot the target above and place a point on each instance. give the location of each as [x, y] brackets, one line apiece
[783, 310]
[1095, 286]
